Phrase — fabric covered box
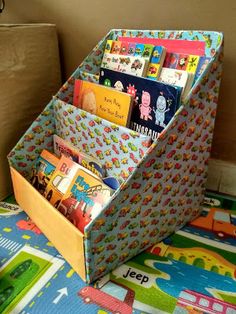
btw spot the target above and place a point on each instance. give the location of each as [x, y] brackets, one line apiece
[162, 184]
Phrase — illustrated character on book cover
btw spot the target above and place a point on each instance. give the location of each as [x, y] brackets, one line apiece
[160, 110]
[145, 108]
[133, 91]
[88, 102]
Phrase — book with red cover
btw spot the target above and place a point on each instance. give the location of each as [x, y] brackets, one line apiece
[193, 47]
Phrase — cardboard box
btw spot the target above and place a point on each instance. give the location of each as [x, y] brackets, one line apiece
[29, 58]
[162, 185]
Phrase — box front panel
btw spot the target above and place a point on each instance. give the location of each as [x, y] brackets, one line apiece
[65, 237]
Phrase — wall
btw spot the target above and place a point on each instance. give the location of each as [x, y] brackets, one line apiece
[82, 23]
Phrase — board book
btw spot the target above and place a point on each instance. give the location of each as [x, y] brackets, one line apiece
[179, 78]
[155, 103]
[43, 170]
[107, 103]
[135, 65]
[64, 147]
[85, 199]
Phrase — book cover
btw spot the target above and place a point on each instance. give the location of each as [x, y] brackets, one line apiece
[134, 65]
[147, 51]
[193, 47]
[139, 49]
[124, 48]
[108, 45]
[131, 49]
[171, 60]
[84, 199]
[43, 170]
[116, 46]
[202, 64]
[156, 62]
[63, 147]
[105, 102]
[61, 180]
[155, 103]
[179, 78]
[183, 62]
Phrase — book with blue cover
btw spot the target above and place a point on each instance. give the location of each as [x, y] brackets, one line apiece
[155, 103]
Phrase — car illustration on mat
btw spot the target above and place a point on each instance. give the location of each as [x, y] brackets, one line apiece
[112, 297]
[217, 220]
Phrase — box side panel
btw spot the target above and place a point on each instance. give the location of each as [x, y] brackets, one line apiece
[36, 138]
[166, 190]
[65, 237]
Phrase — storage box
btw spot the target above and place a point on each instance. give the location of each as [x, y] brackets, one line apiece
[162, 185]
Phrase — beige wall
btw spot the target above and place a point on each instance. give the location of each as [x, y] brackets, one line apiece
[82, 23]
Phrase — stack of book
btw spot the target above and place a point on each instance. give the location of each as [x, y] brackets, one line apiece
[73, 182]
[175, 62]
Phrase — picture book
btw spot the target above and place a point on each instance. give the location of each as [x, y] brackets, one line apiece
[61, 180]
[155, 103]
[179, 78]
[85, 199]
[43, 170]
[194, 47]
[135, 65]
[108, 45]
[63, 147]
[183, 62]
[139, 49]
[147, 51]
[156, 62]
[124, 48]
[116, 46]
[105, 102]
[131, 48]
[202, 64]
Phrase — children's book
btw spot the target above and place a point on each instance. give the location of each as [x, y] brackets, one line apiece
[116, 46]
[147, 51]
[108, 45]
[61, 180]
[180, 61]
[202, 64]
[155, 103]
[63, 147]
[179, 78]
[84, 199]
[183, 62]
[193, 47]
[156, 62]
[43, 170]
[134, 65]
[105, 102]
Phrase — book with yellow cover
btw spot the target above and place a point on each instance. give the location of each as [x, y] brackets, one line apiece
[43, 170]
[108, 103]
[61, 180]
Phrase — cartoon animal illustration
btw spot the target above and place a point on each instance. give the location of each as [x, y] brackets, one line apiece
[119, 86]
[144, 107]
[132, 91]
[160, 111]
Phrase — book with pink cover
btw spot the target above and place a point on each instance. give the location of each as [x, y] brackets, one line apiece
[194, 47]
